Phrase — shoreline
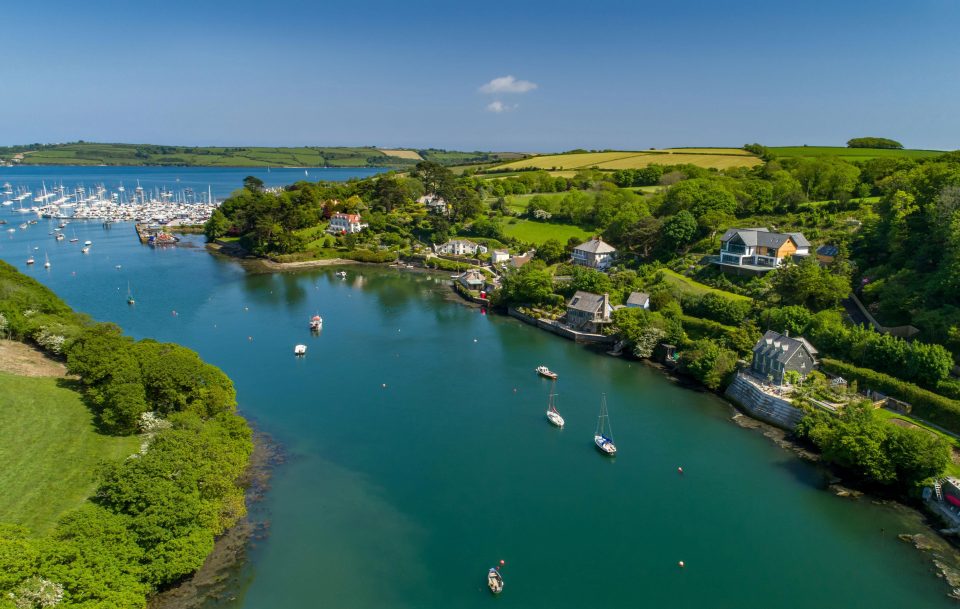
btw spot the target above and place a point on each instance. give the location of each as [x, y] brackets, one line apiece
[222, 570]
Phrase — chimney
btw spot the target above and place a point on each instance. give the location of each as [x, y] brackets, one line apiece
[606, 305]
[786, 333]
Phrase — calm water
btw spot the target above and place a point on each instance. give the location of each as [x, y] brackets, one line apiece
[404, 495]
[222, 181]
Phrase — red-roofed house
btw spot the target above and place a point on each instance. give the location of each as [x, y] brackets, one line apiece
[345, 224]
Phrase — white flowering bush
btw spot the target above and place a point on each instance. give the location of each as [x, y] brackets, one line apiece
[542, 214]
[37, 593]
[151, 423]
[4, 324]
[50, 341]
[29, 312]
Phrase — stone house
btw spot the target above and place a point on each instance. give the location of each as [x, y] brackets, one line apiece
[775, 354]
[588, 312]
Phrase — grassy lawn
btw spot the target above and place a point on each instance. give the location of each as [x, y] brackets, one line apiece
[538, 232]
[851, 154]
[49, 451]
[518, 203]
[686, 285]
[953, 469]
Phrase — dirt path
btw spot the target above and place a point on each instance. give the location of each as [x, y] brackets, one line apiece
[18, 358]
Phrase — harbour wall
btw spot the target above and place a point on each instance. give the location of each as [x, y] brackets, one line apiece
[761, 405]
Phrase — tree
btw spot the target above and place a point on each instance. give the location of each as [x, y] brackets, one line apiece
[679, 230]
[642, 330]
[708, 362]
[810, 285]
[551, 251]
[873, 142]
[699, 196]
[530, 284]
[217, 226]
[253, 184]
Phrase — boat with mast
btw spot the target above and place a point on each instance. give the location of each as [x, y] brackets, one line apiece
[603, 437]
[29, 257]
[46, 263]
[130, 299]
[552, 415]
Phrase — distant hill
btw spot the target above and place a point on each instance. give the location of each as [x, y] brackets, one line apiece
[87, 153]
[718, 158]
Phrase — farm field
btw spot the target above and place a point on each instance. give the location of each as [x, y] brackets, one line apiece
[719, 158]
[685, 285]
[538, 232]
[851, 154]
[518, 203]
[412, 155]
[49, 450]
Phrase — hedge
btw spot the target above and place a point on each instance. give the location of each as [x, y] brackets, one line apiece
[371, 256]
[926, 404]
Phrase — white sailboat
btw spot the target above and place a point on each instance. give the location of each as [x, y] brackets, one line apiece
[603, 437]
[552, 415]
[130, 299]
[46, 263]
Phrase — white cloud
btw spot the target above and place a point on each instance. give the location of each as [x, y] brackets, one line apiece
[498, 106]
[508, 84]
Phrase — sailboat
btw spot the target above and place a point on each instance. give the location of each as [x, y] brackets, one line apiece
[46, 263]
[29, 257]
[603, 441]
[552, 415]
[130, 299]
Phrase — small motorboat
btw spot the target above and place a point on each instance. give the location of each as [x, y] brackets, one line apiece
[494, 580]
[300, 350]
[88, 243]
[30, 260]
[59, 237]
[546, 372]
[316, 322]
[85, 250]
[341, 274]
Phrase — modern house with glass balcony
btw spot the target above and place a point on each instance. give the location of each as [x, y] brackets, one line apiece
[758, 249]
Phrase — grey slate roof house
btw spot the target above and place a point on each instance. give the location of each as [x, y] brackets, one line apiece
[594, 253]
[776, 353]
[639, 300]
[587, 312]
[759, 249]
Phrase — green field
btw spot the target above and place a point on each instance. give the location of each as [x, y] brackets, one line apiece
[685, 285]
[850, 154]
[538, 232]
[953, 469]
[49, 451]
[86, 153]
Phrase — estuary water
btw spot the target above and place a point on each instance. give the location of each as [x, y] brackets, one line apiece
[419, 454]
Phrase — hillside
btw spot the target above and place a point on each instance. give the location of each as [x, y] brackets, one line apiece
[88, 153]
[709, 158]
[851, 154]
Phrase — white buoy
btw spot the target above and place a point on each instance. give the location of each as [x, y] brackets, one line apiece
[680, 564]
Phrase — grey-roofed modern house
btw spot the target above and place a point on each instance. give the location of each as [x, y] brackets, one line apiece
[594, 253]
[639, 300]
[758, 249]
[776, 353]
[587, 312]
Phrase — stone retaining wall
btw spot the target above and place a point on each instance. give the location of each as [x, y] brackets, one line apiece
[560, 330]
[761, 405]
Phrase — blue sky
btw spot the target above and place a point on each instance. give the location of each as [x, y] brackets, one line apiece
[598, 74]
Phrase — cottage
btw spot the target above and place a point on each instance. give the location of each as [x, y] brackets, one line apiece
[758, 249]
[775, 354]
[473, 279]
[587, 312]
[499, 256]
[595, 254]
[460, 247]
[518, 261]
[434, 203]
[826, 253]
[341, 224]
[638, 300]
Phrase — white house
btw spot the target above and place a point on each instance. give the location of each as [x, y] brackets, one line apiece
[341, 224]
[499, 256]
[760, 249]
[434, 203]
[638, 300]
[595, 254]
[460, 247]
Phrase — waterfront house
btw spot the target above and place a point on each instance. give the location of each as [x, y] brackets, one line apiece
[595, 254]
[777, 353]
[460, 247]
[638, 300]
[587, 312]
[345, 224]
[473, 279]
[433, 203]
[759, 250]
[499, 256]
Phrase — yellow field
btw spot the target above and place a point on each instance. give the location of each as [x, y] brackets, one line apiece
[709, 161]
[413, 155]
[733, 151]
[718, 158]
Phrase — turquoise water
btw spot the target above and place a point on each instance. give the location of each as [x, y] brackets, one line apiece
[221, 180]
[403, 495]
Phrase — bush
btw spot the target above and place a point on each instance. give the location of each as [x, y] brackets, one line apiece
[709, 363]
[928, 405]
